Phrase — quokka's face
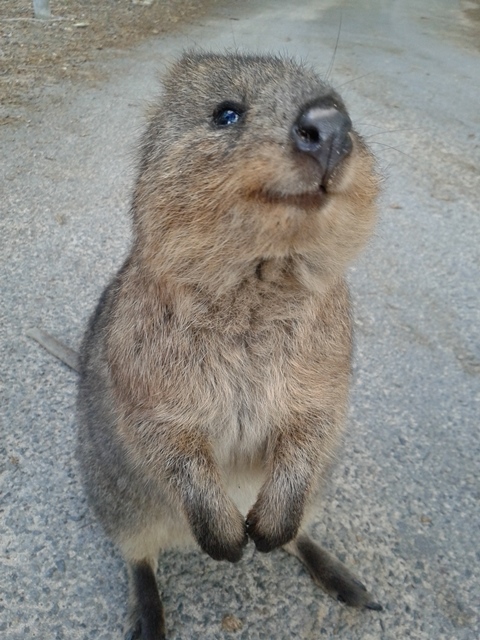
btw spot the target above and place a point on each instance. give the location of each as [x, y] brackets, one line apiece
[254, 156]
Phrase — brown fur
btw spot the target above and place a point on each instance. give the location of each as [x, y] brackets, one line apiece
[215, 372]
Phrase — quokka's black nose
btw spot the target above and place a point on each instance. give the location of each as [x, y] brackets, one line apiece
[323, 133]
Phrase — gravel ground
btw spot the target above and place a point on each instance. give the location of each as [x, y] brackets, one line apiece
[38, 53]
[402, 506]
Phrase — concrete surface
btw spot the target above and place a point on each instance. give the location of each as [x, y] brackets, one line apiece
[402, 507]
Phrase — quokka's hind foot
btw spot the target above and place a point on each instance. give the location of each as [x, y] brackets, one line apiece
[147, 619]
[330, 574]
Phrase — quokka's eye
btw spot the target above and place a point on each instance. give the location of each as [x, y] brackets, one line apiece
[227, 114]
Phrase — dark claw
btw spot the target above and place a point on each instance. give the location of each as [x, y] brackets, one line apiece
[360, 584]
[263, 545]
[374, 606]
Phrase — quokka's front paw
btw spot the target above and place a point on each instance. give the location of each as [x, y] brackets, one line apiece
[268, 532]
[222, 538]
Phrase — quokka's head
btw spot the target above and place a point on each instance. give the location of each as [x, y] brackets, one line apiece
[249, 159]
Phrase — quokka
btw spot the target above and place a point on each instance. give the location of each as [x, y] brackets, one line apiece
[215, 371]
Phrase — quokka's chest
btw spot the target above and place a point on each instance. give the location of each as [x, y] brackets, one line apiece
[250, 388]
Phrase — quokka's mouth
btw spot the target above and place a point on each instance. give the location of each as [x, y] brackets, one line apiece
[307, 200]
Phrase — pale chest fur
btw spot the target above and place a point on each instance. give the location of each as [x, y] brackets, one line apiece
[250, 394]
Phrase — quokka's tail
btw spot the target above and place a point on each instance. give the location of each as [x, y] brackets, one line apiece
[55, 347]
